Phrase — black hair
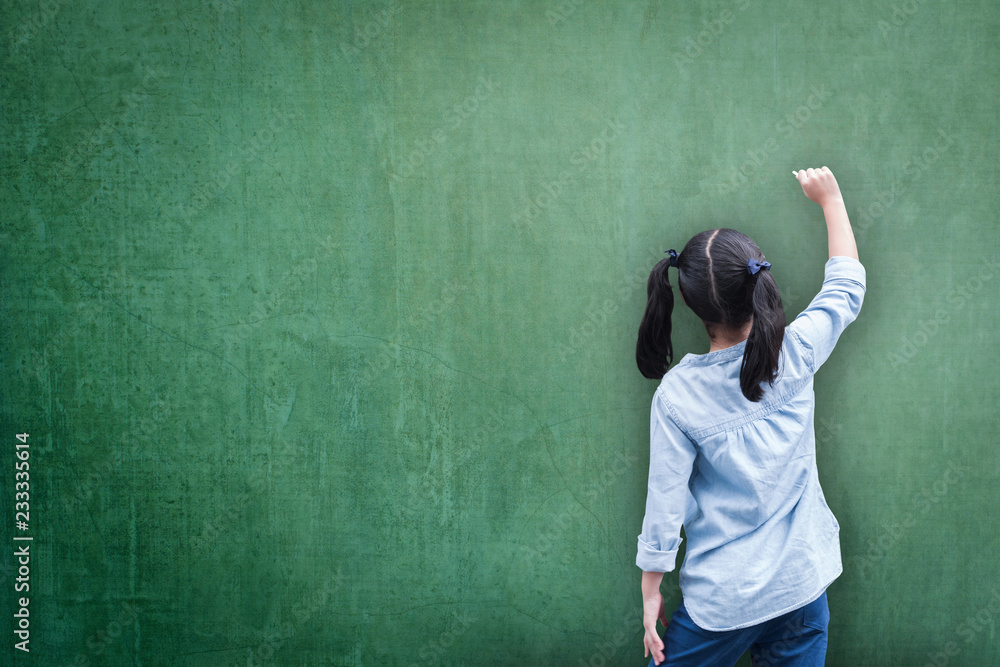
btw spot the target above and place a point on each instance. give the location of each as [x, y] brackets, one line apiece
[713, 278]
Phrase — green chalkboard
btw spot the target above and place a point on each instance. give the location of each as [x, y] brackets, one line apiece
[320, 316]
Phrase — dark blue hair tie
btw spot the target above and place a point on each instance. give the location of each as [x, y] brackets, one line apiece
[673, 256]
[753, 266]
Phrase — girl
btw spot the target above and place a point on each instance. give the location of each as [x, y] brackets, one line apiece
[732, 451]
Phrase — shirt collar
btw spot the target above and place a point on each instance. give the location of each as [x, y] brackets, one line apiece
[719, 356]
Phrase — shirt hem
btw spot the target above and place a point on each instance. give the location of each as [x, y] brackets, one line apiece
[769, 617]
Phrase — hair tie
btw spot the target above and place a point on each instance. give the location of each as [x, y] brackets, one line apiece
[753, 266]
[673, 256]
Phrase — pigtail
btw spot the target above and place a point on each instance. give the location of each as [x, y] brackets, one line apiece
[653, 350]
[763, 347]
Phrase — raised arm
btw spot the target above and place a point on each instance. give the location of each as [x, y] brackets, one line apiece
[820, 185]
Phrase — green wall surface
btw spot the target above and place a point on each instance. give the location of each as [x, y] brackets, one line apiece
[321, 316]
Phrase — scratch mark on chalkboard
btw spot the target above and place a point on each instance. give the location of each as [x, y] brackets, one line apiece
[777, 88]
[187, 34]
[368, 612]
[535, 618]
[164, 331]
[243, 324]
[648, 19]
[594, 414]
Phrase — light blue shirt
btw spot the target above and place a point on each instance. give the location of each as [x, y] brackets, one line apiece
[741, 476]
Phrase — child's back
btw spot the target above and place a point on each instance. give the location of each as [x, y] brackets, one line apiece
[761, 540]
[733, 453]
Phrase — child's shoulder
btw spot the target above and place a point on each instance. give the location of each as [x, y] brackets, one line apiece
[684, 381]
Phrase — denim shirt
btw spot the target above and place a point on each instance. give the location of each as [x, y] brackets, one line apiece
[741, 476]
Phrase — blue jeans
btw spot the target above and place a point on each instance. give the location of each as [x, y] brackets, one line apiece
[796, 638]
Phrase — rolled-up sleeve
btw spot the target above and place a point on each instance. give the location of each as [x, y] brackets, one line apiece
[835, 306]
[668, 498]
